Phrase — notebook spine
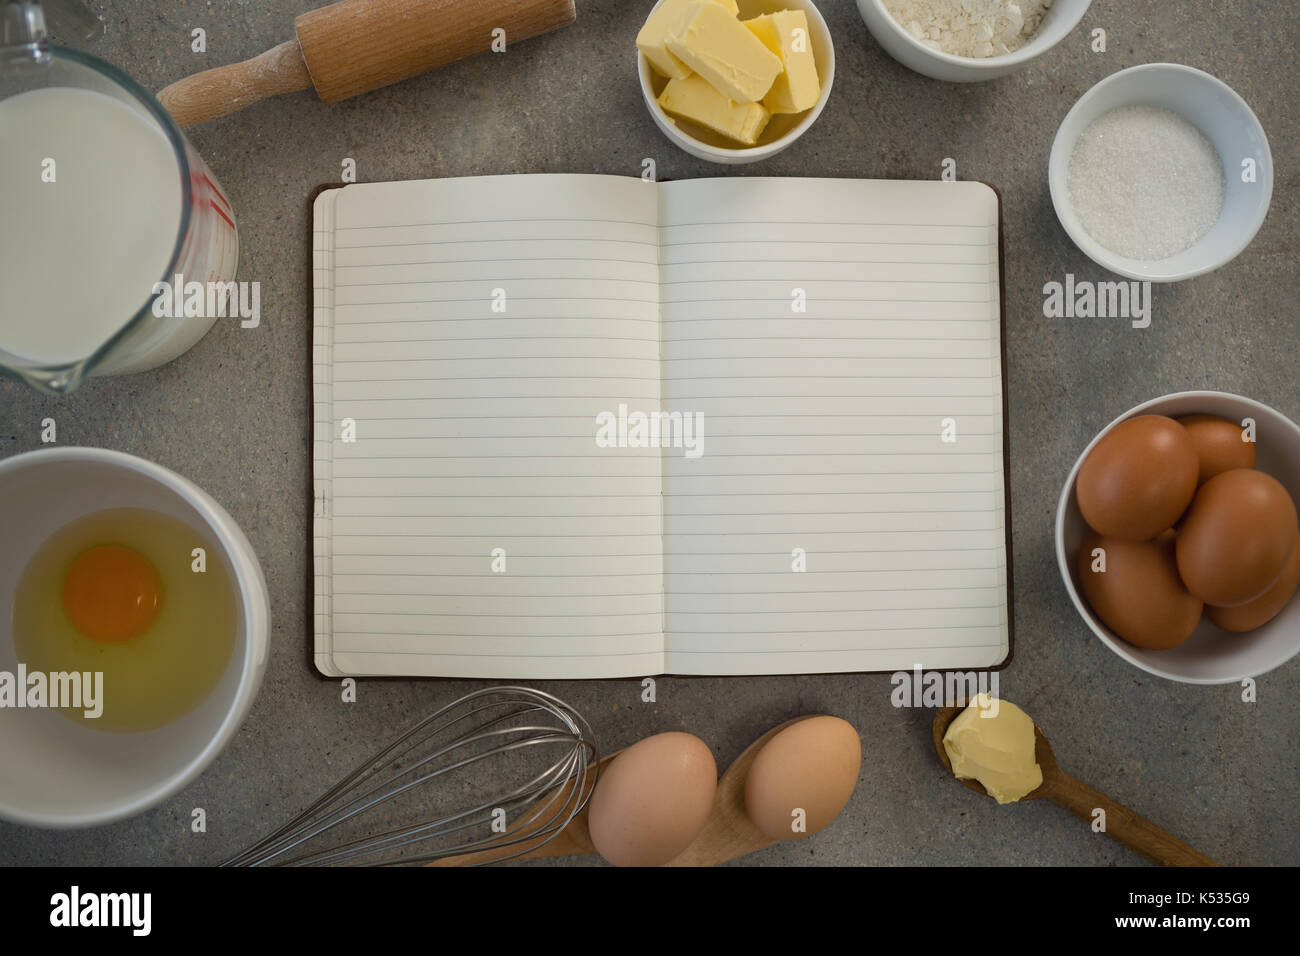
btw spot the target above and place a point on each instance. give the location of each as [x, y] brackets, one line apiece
[323, 429]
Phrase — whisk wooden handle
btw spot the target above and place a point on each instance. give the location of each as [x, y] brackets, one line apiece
[573, 840]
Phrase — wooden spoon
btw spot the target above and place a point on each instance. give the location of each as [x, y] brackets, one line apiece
[1122, 824]
[726, 835]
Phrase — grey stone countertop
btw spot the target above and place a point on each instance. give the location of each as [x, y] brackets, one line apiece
[232, 414]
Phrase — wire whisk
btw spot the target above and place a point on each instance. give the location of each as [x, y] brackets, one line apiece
[479, 755]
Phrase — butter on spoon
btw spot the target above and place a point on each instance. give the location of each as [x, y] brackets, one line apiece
[992, 741]
[1122, 824]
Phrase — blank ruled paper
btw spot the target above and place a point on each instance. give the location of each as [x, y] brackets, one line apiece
[826, 329]
[468, 332]
[476, 328]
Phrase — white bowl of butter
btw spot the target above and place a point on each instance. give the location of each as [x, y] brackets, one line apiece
[776, 84]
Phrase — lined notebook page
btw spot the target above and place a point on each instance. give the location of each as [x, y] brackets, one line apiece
[824, 427]
[474, 428]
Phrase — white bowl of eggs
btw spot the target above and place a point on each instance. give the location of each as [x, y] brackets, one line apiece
[136, 638]
[746, 126]
[1177, 537]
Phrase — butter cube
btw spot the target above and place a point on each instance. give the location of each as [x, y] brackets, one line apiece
[786, 34]
[658, 25]
[694, 99]
[717, 46]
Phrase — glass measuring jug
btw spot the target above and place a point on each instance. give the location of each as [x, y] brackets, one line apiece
[103, 201]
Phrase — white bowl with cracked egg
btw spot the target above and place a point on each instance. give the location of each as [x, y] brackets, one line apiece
[1059, 21]
[781, 131]
[61, 773]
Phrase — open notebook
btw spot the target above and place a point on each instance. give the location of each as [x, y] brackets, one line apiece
[841, 341]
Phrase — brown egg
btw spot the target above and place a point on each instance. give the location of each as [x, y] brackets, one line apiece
[652, 799]
[1236, 537]
[1139, 595]
[1138, 480]
[1219, 445]
[802, 778]
[1257, 613]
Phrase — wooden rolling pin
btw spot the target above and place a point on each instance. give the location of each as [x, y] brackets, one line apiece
[356, 46]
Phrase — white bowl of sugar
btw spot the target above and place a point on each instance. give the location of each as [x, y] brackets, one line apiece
[1161, 172]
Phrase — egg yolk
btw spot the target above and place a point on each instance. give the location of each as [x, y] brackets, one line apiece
[111, 593]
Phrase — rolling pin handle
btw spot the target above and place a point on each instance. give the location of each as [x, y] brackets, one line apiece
[225, 89]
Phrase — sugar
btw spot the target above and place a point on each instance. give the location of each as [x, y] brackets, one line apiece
[1145, 183]
[971, 28]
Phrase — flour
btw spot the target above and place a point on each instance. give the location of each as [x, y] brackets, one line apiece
[972, 28]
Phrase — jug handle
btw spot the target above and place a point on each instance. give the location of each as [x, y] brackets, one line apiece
[22, 28]
[23, 24]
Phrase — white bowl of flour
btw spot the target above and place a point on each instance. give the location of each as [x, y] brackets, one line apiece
[966, 41]
[1161, 172]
